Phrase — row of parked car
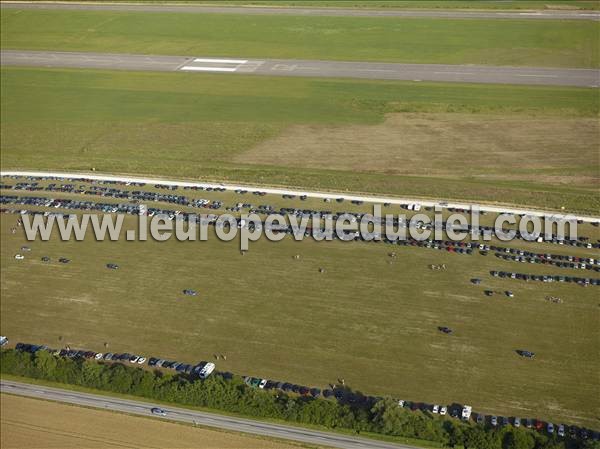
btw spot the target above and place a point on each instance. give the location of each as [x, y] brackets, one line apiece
[545, 278]
[203, 369]
[182, 200]
[536, 260]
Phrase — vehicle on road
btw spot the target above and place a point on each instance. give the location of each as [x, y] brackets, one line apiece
[158, 411]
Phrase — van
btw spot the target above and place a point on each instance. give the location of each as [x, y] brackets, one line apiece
[206, 370]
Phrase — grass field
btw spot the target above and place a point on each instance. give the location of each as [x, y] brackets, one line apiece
[495, 42]
[27, 422]
[538, 148]
[409, 4]
[283, 319]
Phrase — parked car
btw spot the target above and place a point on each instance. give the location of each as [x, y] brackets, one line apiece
[466, 412]
[517, 422]
[526, 354]
[550, 428]
[443, 410]
[206, 370]
[561, 430]
[19, 256]
[494, 421]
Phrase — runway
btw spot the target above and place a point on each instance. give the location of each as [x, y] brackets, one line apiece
[297, 11]
[307, 68]
[303, 435]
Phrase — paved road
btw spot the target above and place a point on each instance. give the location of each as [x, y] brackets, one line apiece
[320, 195]
[305, 68]
[200, 418]
[348, 12]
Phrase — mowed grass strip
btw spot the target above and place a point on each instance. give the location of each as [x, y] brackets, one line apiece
[27, 422]
[409, 4]
[445, 41]
[368, 318]
[252, 129]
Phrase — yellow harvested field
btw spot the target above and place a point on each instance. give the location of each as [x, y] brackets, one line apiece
[32, 423]
[447, 145]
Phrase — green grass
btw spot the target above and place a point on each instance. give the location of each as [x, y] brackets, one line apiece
[190, 126]
[283, 319]
[408, 4]
[495, 42]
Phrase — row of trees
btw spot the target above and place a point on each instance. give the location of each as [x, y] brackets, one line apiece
[232, 395]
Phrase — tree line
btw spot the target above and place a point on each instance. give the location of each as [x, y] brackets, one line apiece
[383, 416]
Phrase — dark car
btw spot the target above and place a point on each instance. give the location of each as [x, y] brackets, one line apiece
[444, 329]
[158, 411]
[304, 391]
[152, 361]
[64, 260]
[45, 259]
[189, 292]
[112, 266]
[480, 419]
[526, 354]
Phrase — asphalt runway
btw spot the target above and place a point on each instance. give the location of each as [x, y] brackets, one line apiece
[198, 418]
[304, 68]
[293, 11]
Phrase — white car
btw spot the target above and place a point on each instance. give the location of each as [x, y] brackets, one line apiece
[206, 370]
[262, 383]
[401, 402]
[561, 430]
[443, 410]
[141, 360]
[435, 409]
[134, 358]
[98, 356]
[466, 412]
[19, 256]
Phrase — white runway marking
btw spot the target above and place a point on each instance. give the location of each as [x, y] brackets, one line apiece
[454, 73]
[538, 76]
[208, 69]
[214, 65]
[222, 61]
